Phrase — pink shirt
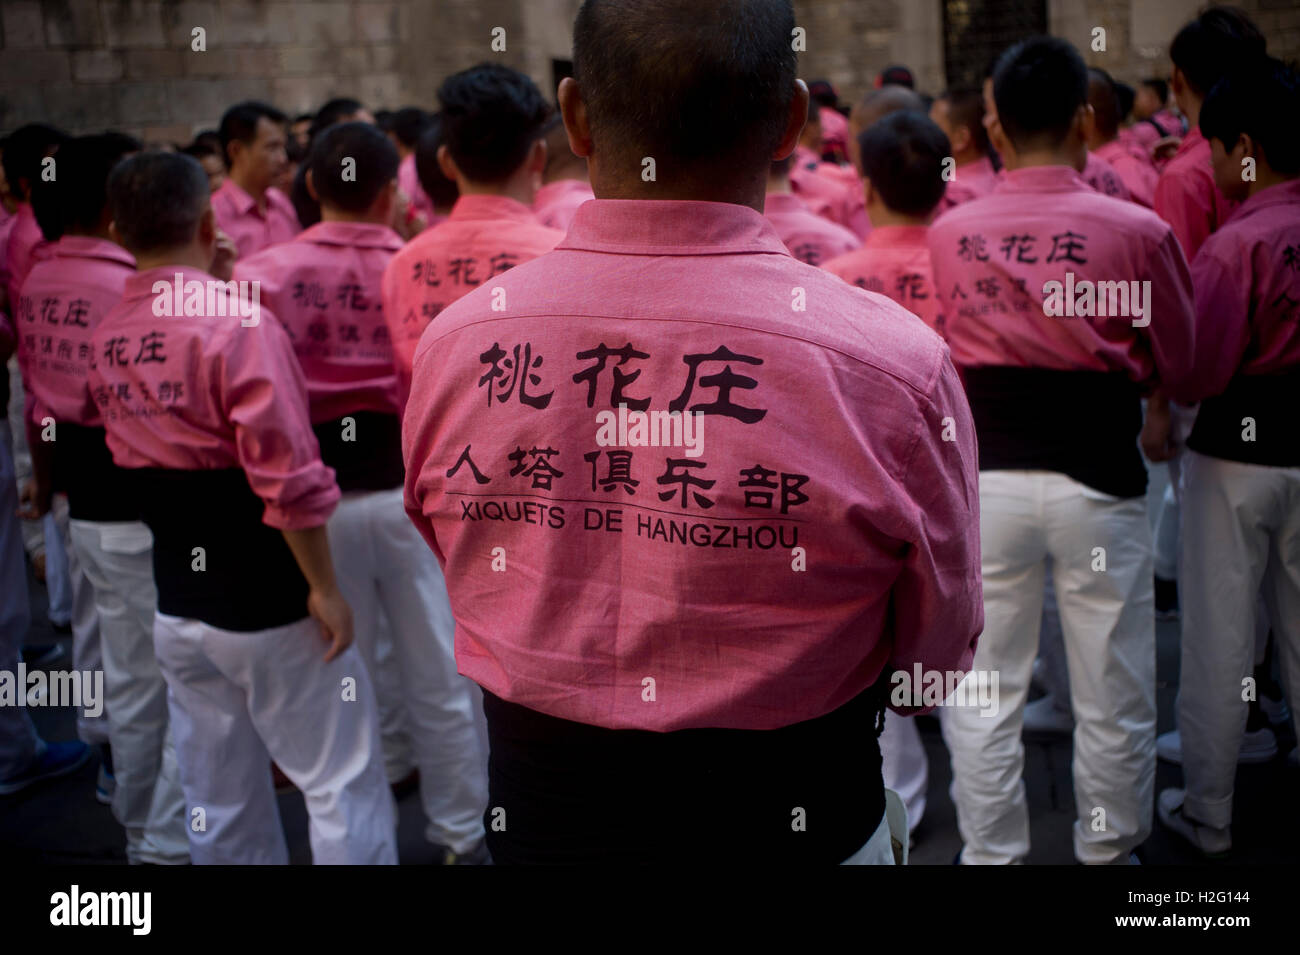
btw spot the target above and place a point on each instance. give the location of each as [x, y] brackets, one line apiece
[556, 202]
[1137, 173]
[992, 258]
[835, 130]
[251, 229]
[678, 564]
[895, 261]
[65, 297]
[1102, 176]
[483, 237]
[408, 180]
[194, 393]
[808, 236]
[970, 181]
[829, 191]
[1186, 196]
[1247, 279]
[26, 244]
[324, 288]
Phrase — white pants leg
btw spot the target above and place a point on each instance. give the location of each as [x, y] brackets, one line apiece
[394, 732]
[1108, 616]
[1051, 646]
[904, 765]
[58, 585]
[17, 734]
[239, 700]
[1241, 532]
[87, 653]
[378, 550]
[988, 755]
[117, 558]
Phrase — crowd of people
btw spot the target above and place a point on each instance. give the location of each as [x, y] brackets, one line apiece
[315, 425]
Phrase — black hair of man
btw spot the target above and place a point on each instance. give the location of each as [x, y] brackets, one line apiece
[25, 150]
[1104, 102]
[703, 85]
[823, 93]
[1159, 87]
[1250, 101]
[1038, 86]
[442, 192]
[239, 123]
[335, 111]
[903, 155]
[374, 165]
[76, 199]
[897, 75]
[1215, 44]
[491, 116]
[384, 119]
[407, 125]
[200, 149]
[966, 108]
[157, 200]
[1124, 96]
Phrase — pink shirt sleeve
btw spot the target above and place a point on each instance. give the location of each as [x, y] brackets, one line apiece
[1172, 332]
[1191, 213]
[1223, 317]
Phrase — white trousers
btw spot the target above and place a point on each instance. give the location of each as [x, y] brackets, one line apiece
[382, 562]
[1241, 537]
[888, 844]
[117, 559]
[18, 739]
[1108, 620]
[904, 764]
[86, 651]
[240, 700]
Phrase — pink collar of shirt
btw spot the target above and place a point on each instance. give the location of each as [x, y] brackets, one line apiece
[898, 236]
[364, 235]
[481, 207]
[91, 247]
[670, 227]
[244, 203]
[1284, 193]
[1043, 179]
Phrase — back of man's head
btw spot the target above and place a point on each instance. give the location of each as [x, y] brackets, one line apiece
[491, 116]
[442, 192]
[25, 149]
[76, 199]
[1260, 100]
[879, 103]
[966, 109]
[406, 125]
[903, 156]
[1038, 86]
[157, 201]
[1159, 88]
[1104, 102]
[341, 109]
[363, 152]
[1214, 44]
[1124, 96]
[704, 87]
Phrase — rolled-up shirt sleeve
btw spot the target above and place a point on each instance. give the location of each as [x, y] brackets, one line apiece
[1171, 333]
[1223, 320]
[265, 398]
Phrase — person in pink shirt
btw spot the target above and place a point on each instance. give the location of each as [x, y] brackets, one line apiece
[564, 182]
[1241, 472]
[706, 619]
[324, 288]
[1133, 168]
[1062, 306]
[1203, 52]
[903, 162]
[248, 207]
[441, 191]
[201, 395]
[404, 129]
[61, 303]
[493, 148]
[960, 115]
[28, 154]
[808, 236]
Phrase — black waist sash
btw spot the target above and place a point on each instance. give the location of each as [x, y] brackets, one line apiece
[97, 489]
[1270, 437]
[366, 455]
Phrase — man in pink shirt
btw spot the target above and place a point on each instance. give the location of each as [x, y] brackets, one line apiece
[706, 618]
[1134, 169]
[63, 300]
[493, 148]
[903, 163]
[1062, 306]
[248, 207]
[960, 115]
[202, 396]
[441, 191]
[28, 158]
[808, 236]
[1241, 470]
[564, 183]
[1203, 52]
[324, 288]
[405, 129]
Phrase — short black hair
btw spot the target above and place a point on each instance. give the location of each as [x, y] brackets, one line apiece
[491, 116]
[903, 155]
[440, 190]
[1159, 87]
[77, 197]
[704, 84]
[25, 150]
[1038, 86]
[1104, 101]
[335, 111]
[897, 75]
[157, 200]
[966, 108]
[407, 125]
[239, 123]
[1254, 100]
[1215, 44]
[1124, 96]
[823, 94]
[375, 162]
[384, 119]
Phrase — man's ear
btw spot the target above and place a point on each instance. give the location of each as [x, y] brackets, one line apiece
[114, 234]
[234, 149]
[796, 119]
[447, 164]
[311, 187]
[867, 191]
[537, 157]
[1084, 119]
[573, 109]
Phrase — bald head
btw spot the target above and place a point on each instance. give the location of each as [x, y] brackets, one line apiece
[875, 106]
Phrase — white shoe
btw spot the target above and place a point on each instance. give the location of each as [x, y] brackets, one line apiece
[1207, 839]
[1257, 747]
[1044, 716]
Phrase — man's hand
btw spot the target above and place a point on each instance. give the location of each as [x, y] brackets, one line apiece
[223, 260]
[34, 501]
[331, 611]
[1157, 430]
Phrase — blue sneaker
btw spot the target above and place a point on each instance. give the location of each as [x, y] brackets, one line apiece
[54, 760]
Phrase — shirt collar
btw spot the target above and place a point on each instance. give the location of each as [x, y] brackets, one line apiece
[484, 207]
[236, 196]
[92, 247]
[366, 235]
[1042, 179]
[670, 227]
[897, 236]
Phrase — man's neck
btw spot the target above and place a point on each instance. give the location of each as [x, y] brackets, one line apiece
[1266, 178]
[742, 191]
[256, 190]
[520, 191]
[968, 156]
[333, 214]
[1043, 157]
[1191, 111]
[881, 216]
[190, 255]
[779, 187]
